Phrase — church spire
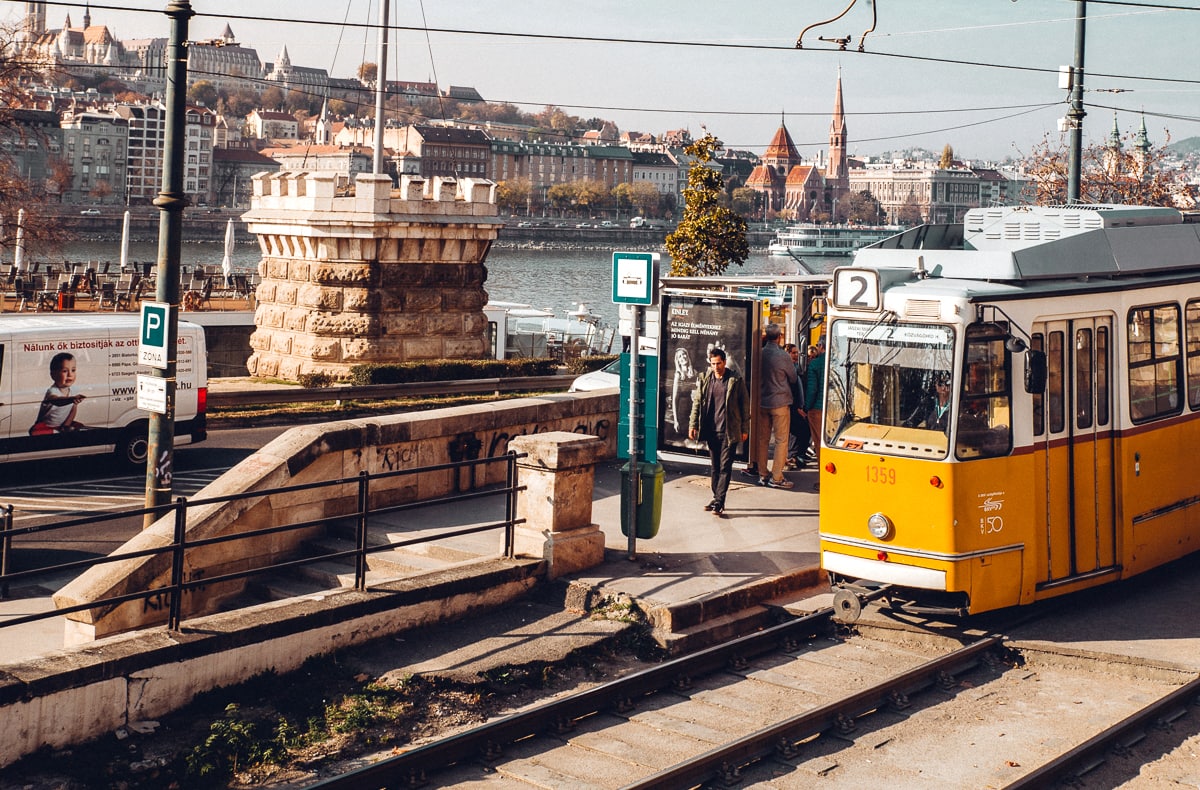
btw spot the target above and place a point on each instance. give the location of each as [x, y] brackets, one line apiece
[839, 169]
[87, 15]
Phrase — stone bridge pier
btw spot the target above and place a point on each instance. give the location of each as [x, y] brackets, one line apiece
[368, 274]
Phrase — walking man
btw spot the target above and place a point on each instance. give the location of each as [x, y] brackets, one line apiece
[720, 419]
[777, 377]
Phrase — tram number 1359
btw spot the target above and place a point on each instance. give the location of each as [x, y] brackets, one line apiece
[881, 475]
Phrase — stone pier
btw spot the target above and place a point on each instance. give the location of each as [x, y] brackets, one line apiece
[374, 275]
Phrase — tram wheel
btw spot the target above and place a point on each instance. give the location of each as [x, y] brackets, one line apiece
[846, 606]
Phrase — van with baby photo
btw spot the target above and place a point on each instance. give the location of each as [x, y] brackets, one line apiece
[68, 387]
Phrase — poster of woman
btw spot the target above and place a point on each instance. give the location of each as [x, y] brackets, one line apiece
[691, 326]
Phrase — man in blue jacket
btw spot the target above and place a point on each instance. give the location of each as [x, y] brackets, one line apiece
[719, 418]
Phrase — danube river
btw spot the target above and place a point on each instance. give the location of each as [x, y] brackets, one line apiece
[557, 280]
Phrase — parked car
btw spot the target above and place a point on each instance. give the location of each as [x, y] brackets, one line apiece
[90, 212]
[606, 377]
[524, 224]
[583, 225]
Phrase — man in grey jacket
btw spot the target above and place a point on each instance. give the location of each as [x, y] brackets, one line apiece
[777, 376]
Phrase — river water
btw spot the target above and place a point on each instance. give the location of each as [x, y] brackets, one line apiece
[557, 280]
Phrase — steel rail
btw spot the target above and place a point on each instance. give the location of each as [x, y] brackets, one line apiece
[1090, 753]
[725, 762]
[265, 397]
[489, 738]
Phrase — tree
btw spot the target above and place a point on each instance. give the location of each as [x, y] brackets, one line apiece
[710, 236]
[748, 202]
[910, 211]
[862, 207]
[514, 195]
[203, 93]
[947, 159]
[1107, 174]
[272, 98]
[368, 73]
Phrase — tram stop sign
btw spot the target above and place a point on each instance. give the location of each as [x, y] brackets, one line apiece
[152, 339]
[635, 278]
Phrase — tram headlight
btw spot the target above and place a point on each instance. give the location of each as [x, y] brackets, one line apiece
[880, 526]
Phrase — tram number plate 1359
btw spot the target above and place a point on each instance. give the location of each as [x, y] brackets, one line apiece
[882, 475]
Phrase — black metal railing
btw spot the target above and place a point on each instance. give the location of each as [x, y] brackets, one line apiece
[180, 546]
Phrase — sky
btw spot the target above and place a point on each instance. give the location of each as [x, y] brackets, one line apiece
[979, 75]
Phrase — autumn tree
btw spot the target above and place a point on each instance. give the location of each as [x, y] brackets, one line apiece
[748, 202]
[910, 211]
[710, 236]
[862, 207]
[368, 73]
[947, 159]
[1107, 174]
[514, 195]
[272, 98]
[42, 231]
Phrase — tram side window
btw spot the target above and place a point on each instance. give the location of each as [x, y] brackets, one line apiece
[1056, 383]
[1192, 318]
[1083, 378]
[985, 415]
[1103, 388]
[1154, 362]
[1039, 400]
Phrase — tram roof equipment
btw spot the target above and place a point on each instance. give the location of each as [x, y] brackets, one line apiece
[1028, 243]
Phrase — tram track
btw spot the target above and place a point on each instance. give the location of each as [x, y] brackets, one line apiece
[799, 703]
[669, 682]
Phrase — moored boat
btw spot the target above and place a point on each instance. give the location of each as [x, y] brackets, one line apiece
[808, 240]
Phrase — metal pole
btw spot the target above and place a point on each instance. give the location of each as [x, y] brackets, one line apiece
[171, 201]
[1075, 113]
[380, 85]
[635, 466]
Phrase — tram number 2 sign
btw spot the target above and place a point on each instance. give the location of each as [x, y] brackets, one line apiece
[856, 289]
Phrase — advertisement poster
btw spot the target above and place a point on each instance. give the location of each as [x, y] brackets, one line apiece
[691, 326]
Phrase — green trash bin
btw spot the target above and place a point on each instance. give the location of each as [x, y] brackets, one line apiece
[649, 508]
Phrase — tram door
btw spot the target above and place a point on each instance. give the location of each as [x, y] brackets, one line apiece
[1074, 447]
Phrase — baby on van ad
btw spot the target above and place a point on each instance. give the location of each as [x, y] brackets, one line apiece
[57, 412]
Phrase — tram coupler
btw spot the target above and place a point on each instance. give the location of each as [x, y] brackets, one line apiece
[849, 600]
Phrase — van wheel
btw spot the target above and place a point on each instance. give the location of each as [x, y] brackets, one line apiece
[133, 445]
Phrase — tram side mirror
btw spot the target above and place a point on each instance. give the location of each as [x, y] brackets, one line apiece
[1035, 372]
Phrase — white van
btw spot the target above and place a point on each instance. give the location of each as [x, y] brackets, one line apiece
[68, 386]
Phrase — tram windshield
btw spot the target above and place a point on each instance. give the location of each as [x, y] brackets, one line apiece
[892, 390]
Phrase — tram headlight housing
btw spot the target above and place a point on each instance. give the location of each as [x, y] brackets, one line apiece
[880, 526]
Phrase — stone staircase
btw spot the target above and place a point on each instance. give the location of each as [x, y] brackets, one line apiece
[383, 566]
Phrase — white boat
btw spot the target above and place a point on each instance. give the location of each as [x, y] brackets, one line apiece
[817, 241]
[523, 331]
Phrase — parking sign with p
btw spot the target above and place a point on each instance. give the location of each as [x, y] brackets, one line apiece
[152, 340]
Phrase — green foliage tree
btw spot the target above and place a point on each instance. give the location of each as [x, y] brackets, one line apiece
[203, 92]
[710, 236]
[747, 202]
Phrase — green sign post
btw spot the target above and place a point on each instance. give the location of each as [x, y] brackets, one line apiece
[635, 283]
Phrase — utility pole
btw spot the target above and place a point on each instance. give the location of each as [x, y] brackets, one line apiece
[170, 202]
[1075, 112]
[380, 86]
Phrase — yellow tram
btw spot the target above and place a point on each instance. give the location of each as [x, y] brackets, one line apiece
[1054, 455]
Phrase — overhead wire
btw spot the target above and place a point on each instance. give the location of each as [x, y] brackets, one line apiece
[426, 30]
